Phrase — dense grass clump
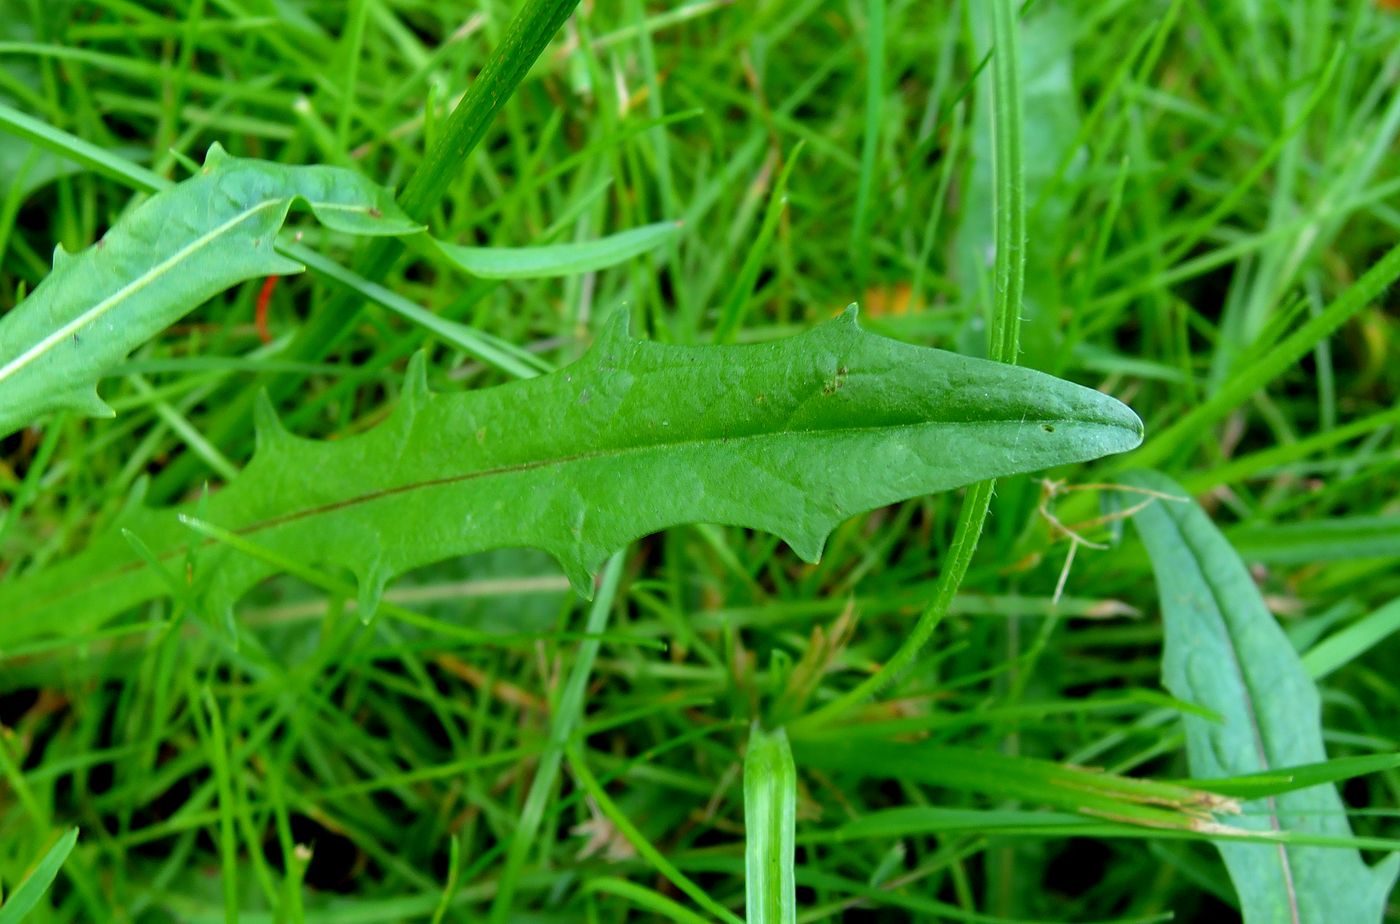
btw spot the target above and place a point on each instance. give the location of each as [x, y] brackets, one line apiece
[573, 303]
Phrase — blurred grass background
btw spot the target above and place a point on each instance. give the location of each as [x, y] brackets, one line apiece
[1201, 179]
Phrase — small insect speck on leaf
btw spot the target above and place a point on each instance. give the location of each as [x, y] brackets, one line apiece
[1048, 428]
[375, 213]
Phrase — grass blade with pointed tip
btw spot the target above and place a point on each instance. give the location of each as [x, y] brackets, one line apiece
[790, 437]
[1149, 803]
[770, 828]
[179, 248]
[28, 893]
[547, 260]
[1227, 653]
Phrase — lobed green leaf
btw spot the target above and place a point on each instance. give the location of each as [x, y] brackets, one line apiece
[790, 437]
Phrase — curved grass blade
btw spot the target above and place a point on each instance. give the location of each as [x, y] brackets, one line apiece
[28, 893]
[770, 828]
[176, 250]
[790, 437]
[1226, 653]
[547, 260]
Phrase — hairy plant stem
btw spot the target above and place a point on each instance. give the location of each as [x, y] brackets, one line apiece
[1003, 345]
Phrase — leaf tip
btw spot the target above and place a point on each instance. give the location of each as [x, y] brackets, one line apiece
[87, 403]
[135, 500]
[215, 157]
[416, 392]
[370, 590]
[807, 547]
[268, 431]
[614, 332]
[581, 578]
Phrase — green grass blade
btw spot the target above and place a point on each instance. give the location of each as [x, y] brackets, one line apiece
[550, 260]
[1225, 652]
[1149, 803]
[655, 903]
[870, 138]
[1268, 366]
[1290, 779]
[1350, 643]
[648, 851]
[736, 304]
[770, 828]
[566, 719]
[28, 893]
[96, 158]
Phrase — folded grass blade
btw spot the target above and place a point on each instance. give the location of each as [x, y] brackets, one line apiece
[770, 827]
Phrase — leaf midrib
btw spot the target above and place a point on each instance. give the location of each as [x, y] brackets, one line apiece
[137, 285]
[1218, 598]
[130, 289]
[532, 465]
[623, 451]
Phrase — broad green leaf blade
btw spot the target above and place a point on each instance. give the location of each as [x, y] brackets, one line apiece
[549, 260]
[770, 828]
[178, 249]
[790, 437]
[28, 893]
[1225, 652]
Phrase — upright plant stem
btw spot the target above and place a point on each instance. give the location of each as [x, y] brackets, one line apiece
[1004, 343]
[525, 39]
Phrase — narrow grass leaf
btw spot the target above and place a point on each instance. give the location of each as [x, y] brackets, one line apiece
[1290, 779]
[648, 900]
[1355, 640]
[791, 437]
[28, 893]
[1154, 804]
[1226, 652]
[584, 777]
[551, 260]
[770, 828]
[1339, 539]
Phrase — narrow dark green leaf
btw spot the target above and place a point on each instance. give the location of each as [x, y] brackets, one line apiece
[1002, 776]
[790, 437]
[1290, 779]
[770, 827]
[1226, 652]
